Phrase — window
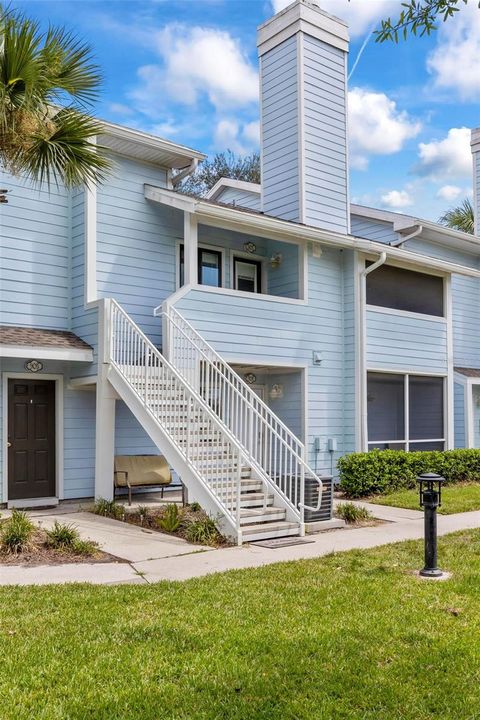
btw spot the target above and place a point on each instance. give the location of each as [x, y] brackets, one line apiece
[247, 275]
[401, 289]
[209, 267]
[405, 412]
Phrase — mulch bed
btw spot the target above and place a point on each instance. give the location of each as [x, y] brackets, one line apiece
[40, 554]
[151, 521]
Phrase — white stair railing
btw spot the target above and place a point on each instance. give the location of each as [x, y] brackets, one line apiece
[267, 440]
[182, 414]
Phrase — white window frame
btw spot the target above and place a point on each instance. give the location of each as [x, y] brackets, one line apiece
[407, 440]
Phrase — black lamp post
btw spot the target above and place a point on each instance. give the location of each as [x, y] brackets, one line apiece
[430, 499]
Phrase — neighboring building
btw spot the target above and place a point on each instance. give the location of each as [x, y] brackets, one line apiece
[252, 337]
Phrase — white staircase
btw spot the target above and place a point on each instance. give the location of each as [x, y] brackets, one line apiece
[208, 435]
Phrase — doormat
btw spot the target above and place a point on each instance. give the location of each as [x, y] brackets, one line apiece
[281, 542]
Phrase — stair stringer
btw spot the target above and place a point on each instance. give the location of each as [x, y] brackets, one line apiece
[197, 490]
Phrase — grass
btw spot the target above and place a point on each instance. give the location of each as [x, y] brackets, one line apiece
[352, 636]
[455, 498]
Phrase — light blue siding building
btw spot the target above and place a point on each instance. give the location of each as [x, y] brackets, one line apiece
[252, 336]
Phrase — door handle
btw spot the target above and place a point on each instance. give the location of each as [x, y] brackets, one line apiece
[9, 444]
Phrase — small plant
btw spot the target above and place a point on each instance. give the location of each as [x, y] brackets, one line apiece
[61, 536]
[352, 513]
[195, 507]
[16, 533]
[143, 510]
[109, 508]
[170, 520]
[203, 531]
[85, 547]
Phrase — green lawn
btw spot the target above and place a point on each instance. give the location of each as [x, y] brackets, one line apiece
[455, 498]
[353, 635]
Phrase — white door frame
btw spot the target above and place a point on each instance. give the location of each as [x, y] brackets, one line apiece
[59, 469]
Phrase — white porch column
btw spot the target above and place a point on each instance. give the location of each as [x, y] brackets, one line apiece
[105, 411]
[190, 235]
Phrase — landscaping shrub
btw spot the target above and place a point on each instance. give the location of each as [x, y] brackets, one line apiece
[383, 471]
[109, 508]
[16, 533]
[61, 536]
[170, 520]
[352, 513]
[203, 531]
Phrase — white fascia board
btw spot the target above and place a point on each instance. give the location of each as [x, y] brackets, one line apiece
[228, 217]
[125, 133]
[46, 353]
[224, 183]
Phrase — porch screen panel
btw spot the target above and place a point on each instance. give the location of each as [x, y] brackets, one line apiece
[426, 412]
[386, 409]
[400, 289]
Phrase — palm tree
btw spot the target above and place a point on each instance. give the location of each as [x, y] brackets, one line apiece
[460, 217]
[47, 81]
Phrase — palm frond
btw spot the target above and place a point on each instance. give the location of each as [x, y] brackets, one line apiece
[460, 217]
[68, 153]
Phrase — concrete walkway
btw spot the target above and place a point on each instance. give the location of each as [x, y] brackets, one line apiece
[152, 557]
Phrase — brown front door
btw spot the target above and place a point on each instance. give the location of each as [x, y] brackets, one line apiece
[31, 437]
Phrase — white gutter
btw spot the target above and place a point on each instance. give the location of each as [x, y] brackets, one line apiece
[189, 170]
[406, 238]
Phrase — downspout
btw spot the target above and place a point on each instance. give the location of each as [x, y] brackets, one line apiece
[363, 337]
[176, 179]
[418, 230]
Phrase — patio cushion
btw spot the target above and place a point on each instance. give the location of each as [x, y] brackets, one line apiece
[142, 470]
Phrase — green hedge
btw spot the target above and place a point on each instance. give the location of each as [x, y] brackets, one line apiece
[382, 471]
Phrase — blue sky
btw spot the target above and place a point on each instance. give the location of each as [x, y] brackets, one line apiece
[187, 70]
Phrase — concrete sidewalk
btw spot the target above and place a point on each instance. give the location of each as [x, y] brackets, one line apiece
[151, 557]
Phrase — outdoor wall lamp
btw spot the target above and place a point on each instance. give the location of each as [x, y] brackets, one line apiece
[276, 260]
[430, 487]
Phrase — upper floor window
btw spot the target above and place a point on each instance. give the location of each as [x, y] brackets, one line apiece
[209, 267]
[247, 275]
[400, 289]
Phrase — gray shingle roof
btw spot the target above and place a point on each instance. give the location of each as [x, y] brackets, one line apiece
[12, 335]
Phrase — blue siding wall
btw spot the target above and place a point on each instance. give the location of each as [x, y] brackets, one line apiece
[459, 415]
[244, 198]
[476, 190]
[465, 303]
[245, 329]
[136, 243]
[34, 255]
[405, 343]
[280, 132]
[325, 136]
[372, 229]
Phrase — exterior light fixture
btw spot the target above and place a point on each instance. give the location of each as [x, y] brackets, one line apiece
[276, 260]
[276, 391]
[430, 487]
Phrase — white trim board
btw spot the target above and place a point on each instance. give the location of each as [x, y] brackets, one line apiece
[46, 353]
[59, 428]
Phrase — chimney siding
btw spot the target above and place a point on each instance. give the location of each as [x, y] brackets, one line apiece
[303, 55]
[476, 177]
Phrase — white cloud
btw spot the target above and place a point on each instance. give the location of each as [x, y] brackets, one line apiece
[448, 158]
[360, 15]
[195, 63]
[230, 134]
[454, 63]
[397, 199]
[376, 126]
[449, 192]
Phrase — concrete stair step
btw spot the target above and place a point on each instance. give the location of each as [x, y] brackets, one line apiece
[270, 530]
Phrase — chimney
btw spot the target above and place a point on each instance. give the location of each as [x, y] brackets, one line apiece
[303, 96]
[476, 177]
